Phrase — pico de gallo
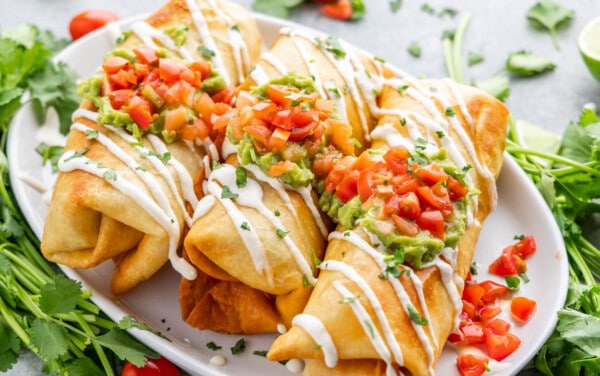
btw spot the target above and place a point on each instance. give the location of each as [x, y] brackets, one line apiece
[283, 125]
[149, 91]
[480, 324]
[410, 200]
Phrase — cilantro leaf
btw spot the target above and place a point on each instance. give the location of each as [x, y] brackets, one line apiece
[9, 347]
[49, 339]
[239, 347]
[241, 177]
[227, 193]
[125, 347]
[415, 316]
[548, 14]
[414, 49]
[84, 367]
[54, 86]
[474, 58]
[526, 63]
[276, 8]
[60, 295]
[395, 5]
[580, 329]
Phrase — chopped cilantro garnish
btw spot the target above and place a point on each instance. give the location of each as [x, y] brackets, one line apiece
[415, 316]
[281, 233]
[226, 193]
[512, 282]
[239, 347]
[241, 177]
[450, 111]
[206, 52]
[245, 226]
[349, 299]
[213, 346]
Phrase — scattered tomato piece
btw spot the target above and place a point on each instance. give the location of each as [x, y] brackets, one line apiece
[471, 364]
[522, 308]
[153, 367]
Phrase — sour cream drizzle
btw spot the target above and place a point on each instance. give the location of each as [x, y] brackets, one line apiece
[315, 328]
[368, 326]
[350, 273]
[148, 34]
[353, 238]
[251, 196]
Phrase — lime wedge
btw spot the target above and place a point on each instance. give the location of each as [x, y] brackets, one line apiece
[589, 46]
[538, 139]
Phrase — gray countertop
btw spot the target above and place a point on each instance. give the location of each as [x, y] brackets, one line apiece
[497, 28]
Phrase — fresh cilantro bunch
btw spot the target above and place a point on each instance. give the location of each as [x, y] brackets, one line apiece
[569, 181]
[40, 309]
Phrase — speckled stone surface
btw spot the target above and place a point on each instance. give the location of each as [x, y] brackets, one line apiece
[496, 29]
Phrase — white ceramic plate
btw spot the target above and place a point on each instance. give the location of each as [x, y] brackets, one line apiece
[521, 210]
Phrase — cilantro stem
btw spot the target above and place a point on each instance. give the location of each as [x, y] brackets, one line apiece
[447, 43]
[10, 319]
[99, 350]
[456, 50]
[553, 158]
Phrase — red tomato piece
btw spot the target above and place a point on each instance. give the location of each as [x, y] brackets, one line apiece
[259, 132]
[280, 94]
[471, 365]
[114, 64]
[524, 247]
[153, 367]
[499, 346]
[408, 206]
[493, 291]
[347, 188]
[486, 313]
[522, 308]
[300, 133]
[504, 265]
[432, 221]
[169, 70]
[404, 183]
[431, 174]
[282, 119]
[340, 10]
[404, 226]
[90, 20]
[202, 67]
[146, 55]
[139, 110]
[456, 189]
[473, 293]
[472, 333]
[119, 98]
[278, 139]
[396, 159]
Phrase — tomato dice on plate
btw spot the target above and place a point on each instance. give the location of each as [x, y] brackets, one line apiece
[153, 367]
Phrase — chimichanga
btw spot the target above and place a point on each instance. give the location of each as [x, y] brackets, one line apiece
[389, 288]
[130, 174]
[262, 198]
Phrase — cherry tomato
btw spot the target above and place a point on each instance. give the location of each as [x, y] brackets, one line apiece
[471, 365]
[522, 308]
[153, 367]
[340, 10]
[90, 20]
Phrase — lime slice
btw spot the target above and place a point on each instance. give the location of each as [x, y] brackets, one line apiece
[589, 46]
[538, 139]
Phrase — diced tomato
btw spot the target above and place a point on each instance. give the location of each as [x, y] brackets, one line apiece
[405, 227]
[504, 265]
[522, 308]
[113, 64]
[429, 198]
[341, 135]
[493, 291]
[146, 55]
[278, 139]
[105, 86]
[264, 110]
[204, 105]
[118, 98]
[473, 293]
[471, 364]
[141, 71]
[202, 67]
[404, 183]
[139, 110]
[300, 133]
[499, 346]
[280, 94]
[469, 311]
[123, 79]
[486, 313]
[347, 188]
[153, 367]
[245, 99]
[408, 206]
[282, 119]
[188, 76]
[304, 118]
[259, 132]
[497, 326]
[363, 162]
[432, 221]
[90, 20]
[169, 70]
[199, 130]
[456, 188]
[396, 160]
[340, 10]
[280, 168]
[175, 119]
[225, 95]
[365, 184]
[472, 333]
[431, 174]
[324, 164]
[524, 247]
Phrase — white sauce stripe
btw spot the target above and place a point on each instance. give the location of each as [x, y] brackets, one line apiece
[315, 328]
